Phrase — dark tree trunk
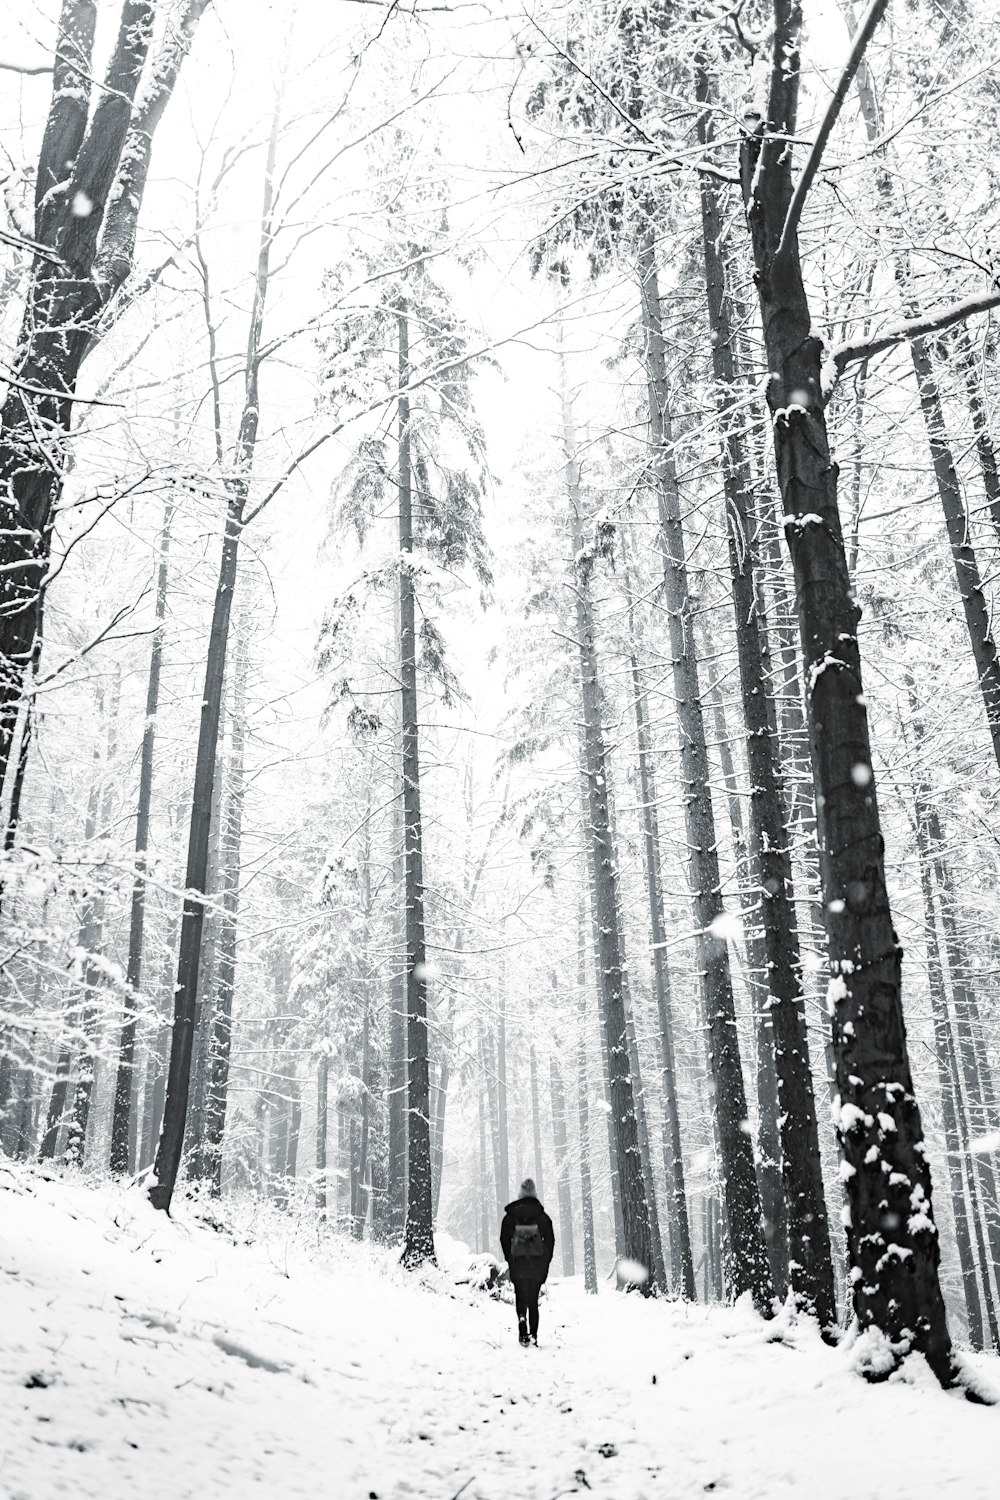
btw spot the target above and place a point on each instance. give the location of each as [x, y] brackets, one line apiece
[171, 1146]
[810, 1262]
[418, 1243]
[91, 942]
[230, 843]
[772, 1190]
[502, 1091]
[536, 1123]
[638, 1242]
[484, 1221]
[322, 1126]
[96, 148]
[750, 1270]
[397, 1046]
[359, 1204]
[955, 1142]
[894, 1270]
[124, 1091]
[684, 1271]
[586, 1193]
[561, 1150]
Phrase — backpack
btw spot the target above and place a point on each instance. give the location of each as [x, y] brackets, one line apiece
[527, 1243]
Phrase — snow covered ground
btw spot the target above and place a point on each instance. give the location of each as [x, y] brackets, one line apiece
[146, 1358]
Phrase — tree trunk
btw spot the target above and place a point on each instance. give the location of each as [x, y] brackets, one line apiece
[91, 941]
[561, 1151]
[169, 1152]
[133, 976]
[586, 1193]
[810, 1262]
[322, 1118]
[750, 1270]
[418, 1243]
[484, 1222]
[536, 1124]
[955, 1144]
[502, 1086]
[636, 1226]
[230, 843]
[96, 149]
[684, 1271]
[894, 1270]
[772, 1190]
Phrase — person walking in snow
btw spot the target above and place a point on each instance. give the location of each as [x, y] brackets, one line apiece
[527, 1240]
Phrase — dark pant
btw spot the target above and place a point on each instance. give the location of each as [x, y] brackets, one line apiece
[526, 1289]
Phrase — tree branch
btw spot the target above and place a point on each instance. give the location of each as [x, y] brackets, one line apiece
[873, 16]
[912, 328]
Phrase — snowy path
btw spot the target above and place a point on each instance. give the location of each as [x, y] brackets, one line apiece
[148, 1359]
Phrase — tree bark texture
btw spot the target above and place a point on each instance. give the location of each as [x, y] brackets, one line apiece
[810, 1261]
[750, 1270]
[892, 1240]
[604, 883]
[133, 975]
[418, 1234]
[88, 217]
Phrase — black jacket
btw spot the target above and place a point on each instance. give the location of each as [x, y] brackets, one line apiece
[528, 1211]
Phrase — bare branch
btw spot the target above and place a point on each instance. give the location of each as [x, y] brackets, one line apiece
[912, 328]
[863, 36]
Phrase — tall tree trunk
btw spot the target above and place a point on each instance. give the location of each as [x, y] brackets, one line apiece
[418, 1245]
[171, 1146]
[561, 1150]
[894, 1273]
[604, 882]
[91, 944]
[360, 1198]
[772, 1189]
[750, 1270]
[967, 573]
[658, 947]
[230, 842]
[502, 1084]
[586, 1192]
[955, 1144]
[536, 1123]
[484, 1221]
[810, 1261]
[133, 975]
[322, 1126]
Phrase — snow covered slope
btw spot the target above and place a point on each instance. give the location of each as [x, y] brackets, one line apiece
[146, 1359]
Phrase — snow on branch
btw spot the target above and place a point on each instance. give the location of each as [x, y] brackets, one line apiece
[911, 328]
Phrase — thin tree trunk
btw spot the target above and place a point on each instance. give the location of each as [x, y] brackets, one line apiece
[170, 1149]
[418, 1243]
[484, 1222]
[951, 1102]
[684, 1276]
[359, 1205]
[133, 975]
[231, 836]
[561, 1151]
[322, 1126]
[586, 1193]
[750, 1270]
[606, 907]
[536, 1123]
[772, 1190]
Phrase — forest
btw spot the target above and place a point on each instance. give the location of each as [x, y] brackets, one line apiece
[499, 706]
